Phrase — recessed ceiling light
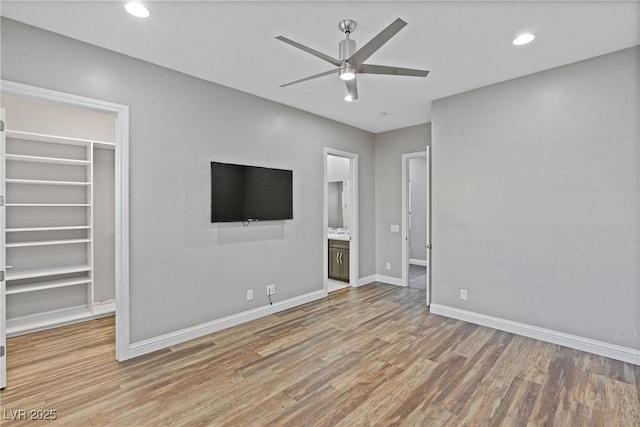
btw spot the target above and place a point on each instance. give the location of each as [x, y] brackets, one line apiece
[523, 39]
[137, 9]
[348, 98]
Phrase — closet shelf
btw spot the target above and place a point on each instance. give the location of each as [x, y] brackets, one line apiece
[47, 272]
[40, 137]
[50, 284]
[56, 186]
[70, 227]
[46, 243]
[44, 182]
[54, 205]
[53, 160]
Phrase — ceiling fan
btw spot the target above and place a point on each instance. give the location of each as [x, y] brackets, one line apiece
[351, 61]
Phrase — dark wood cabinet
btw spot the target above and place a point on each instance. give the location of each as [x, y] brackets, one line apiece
[339, 260]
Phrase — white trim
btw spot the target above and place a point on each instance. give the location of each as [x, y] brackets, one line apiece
[104, 308]
[3, 259]
[613, 351]
[420, 262]
[353, 226]
[163, 341]
[122, 235]
[429, 265]
[121, 191]
[390, 280]
[55, 319]
[366, 280]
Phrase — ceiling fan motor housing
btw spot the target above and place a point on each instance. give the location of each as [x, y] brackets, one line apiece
[346, 48]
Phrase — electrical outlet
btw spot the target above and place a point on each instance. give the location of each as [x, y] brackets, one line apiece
[249, 294]
[463, 294]
[395, 228]
[271, 289]
[388, 266]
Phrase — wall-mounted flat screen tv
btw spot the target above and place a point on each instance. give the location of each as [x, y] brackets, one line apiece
[250, 193]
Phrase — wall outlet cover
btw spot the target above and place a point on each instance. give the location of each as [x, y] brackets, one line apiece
[388, 266]
[249, 294]
[395, 228]
[271, 289]
[463, 294]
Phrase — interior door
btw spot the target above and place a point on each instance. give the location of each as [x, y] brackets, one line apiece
[3, 301]
[428, 245]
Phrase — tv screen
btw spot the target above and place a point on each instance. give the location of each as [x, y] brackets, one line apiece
[250, 193]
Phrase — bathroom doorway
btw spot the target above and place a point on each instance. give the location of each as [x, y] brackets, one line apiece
[340, 265]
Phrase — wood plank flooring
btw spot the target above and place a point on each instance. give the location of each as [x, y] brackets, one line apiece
[366, 356]
[418, 277]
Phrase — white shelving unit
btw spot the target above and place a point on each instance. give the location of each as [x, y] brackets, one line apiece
[43, 218]
[44, 182]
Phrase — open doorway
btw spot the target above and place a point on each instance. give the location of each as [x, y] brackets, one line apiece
[340, 265]
[416, 222]
[64, 215]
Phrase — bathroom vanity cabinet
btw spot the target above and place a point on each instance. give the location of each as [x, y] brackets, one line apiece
[339, 260]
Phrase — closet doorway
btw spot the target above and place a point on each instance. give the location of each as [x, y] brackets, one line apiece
[63, 220]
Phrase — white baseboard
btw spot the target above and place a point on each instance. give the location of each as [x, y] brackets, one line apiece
[420, 262]
[58, 318]
[613, 351]
[389, 280]
[380, 278]
[104, 308]
[366, 280]
[163, 341]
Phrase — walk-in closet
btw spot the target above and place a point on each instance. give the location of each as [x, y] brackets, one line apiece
[60, 214]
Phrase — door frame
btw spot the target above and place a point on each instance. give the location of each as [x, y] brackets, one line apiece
[3, 297]
[405, 219]
[121, 193]
[353, 220]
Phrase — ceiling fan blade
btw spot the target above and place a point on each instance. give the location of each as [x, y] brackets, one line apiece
[394, 71]
[309, 50]
[375, 43]
[326, 73]
[352, 88]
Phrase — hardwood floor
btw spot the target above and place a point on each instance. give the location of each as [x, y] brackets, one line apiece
[418, 277]
[365, 356]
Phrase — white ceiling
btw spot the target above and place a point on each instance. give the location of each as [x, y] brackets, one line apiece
[465, 45]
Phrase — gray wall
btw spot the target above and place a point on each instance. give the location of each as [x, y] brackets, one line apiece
[185, 270]
[104, 227]
[389, 148]
[418, 225]
[56, 119]
[536, 199]
[338, 168]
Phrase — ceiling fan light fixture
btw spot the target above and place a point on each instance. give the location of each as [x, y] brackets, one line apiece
[137, 9]
[523, 39]
[347, 72]
[351, 61]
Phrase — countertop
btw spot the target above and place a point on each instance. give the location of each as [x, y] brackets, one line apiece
[339, 236]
